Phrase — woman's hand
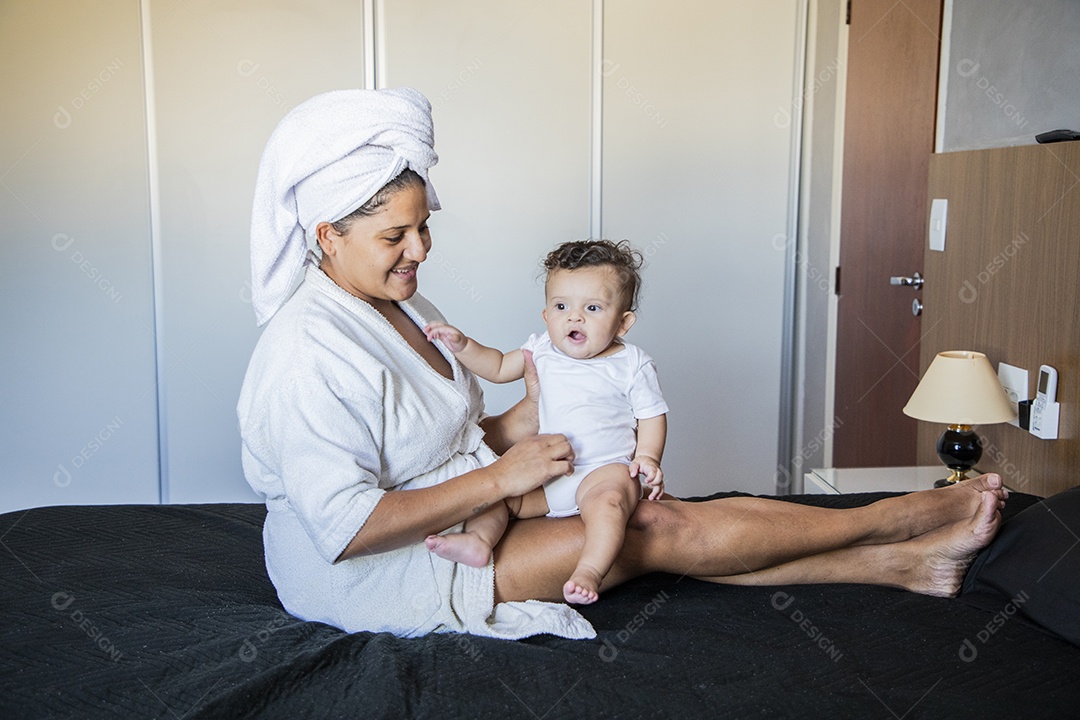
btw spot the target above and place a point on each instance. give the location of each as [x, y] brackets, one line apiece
[532, 384]
[522, 420]
[532, 462]
[528, 461]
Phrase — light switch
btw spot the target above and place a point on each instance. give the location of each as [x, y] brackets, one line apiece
[938, 210]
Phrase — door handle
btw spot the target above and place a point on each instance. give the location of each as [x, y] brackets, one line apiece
[915, 282]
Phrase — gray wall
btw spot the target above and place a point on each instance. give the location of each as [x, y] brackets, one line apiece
[78, 404]
[701, 183]
[1013, 72]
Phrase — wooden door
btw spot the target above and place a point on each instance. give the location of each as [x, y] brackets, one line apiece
[893, 51]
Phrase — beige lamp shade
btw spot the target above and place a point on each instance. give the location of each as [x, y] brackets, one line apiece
[960, 388]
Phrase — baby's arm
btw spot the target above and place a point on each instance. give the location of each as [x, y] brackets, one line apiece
[488, 363]
[651, 436]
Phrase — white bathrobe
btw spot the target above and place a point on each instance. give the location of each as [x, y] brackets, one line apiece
[335, 411]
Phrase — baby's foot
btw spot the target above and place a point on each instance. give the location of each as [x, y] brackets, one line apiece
[465, 548]
[581, 588]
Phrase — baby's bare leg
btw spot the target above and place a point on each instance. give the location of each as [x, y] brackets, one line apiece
[532, 504]
[473, 545]
[606, 497]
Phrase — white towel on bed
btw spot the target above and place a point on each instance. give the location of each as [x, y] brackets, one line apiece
[327, 157]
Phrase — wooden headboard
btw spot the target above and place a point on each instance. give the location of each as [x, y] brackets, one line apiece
[1008, 285]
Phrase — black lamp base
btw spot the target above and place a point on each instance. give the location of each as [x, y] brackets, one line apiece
[959, 448]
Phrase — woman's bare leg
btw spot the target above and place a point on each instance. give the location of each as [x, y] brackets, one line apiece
[933, 563]
[734, 536]
[606, 497]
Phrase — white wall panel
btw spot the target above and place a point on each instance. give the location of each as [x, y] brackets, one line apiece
[694, 169]
[509, 85]
[77, 398]
[697, 159]
[224, 74]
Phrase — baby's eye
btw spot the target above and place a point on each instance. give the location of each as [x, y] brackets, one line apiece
[560, 306]
[593, 308]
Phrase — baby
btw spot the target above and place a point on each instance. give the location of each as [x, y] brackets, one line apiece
[599, 391]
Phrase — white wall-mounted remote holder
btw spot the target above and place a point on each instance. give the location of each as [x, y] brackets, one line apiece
[1045, 411]
[1015, 382]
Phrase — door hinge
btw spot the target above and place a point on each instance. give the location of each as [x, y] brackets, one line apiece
[848, 21]
[836, 281]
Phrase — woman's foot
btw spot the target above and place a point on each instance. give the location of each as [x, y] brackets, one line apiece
[988, 483]
[581, 588]
[465, 548]
[940, 558]
[920, 512]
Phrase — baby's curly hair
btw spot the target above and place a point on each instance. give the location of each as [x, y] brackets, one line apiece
[620, 257]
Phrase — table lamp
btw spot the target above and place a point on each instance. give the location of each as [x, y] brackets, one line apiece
[959, 389]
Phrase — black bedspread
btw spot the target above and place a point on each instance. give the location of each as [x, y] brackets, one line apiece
[166, 612]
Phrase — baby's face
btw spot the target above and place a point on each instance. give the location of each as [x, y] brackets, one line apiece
[584, 312]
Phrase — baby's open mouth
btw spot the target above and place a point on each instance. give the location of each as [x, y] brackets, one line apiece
[577, 335]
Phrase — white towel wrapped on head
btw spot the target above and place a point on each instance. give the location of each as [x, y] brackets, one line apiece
[328, 157]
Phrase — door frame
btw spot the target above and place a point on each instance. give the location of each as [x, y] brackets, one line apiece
[812, 433]
[818, 244]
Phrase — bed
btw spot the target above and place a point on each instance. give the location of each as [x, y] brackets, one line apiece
[166, 611]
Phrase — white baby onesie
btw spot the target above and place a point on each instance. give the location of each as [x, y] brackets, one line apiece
[596, 403]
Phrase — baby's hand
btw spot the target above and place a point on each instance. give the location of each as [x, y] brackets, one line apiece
[453, 338]
[650, 469]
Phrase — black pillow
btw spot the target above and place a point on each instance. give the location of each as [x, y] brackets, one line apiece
[1032, 568]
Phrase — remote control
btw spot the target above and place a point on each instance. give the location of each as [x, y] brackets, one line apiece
[1057, 136]
[1045, 409]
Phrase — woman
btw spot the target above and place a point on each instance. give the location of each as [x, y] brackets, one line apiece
[365, 438]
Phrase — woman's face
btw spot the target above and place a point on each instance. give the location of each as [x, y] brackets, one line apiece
[377, 258]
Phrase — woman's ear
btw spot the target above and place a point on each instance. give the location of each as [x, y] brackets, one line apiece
[328, 238]
[628, 320]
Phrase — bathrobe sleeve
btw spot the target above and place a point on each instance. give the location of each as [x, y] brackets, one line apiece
[328, 451]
